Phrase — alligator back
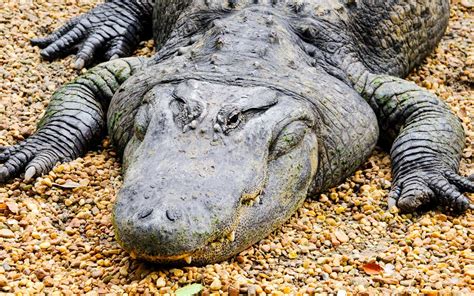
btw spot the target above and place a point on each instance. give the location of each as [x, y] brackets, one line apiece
[390, 37]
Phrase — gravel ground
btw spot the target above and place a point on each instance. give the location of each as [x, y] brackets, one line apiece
[57, 240]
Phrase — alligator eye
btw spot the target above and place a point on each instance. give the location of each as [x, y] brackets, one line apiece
[233, 120]
[142, 119]
[229, 120]
[288, 139]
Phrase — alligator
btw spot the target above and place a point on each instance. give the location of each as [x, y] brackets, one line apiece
[247, 108]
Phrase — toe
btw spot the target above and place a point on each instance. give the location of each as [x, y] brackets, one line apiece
[413, 199]
[464, 184]
[414, 194]
[449, 196]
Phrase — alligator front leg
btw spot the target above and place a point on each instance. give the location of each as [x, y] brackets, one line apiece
[114, 28]
[427, 143]
[74, 119]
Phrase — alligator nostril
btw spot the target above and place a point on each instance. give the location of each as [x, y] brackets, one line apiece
[145, 213]
[146, 196]
[172, 215]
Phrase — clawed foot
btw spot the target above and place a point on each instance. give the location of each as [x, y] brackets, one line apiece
[33, 155]
[110, 28]
[434, 187]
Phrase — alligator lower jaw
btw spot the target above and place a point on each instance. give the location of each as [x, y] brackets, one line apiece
[185, 257]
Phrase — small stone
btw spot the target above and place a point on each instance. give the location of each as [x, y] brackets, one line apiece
[47, 182]
[6, 233]
[292, 255]
[40, 274]
[234, 290]
[48, 281]
[216, 285]
[417, 242]
[408, 283]
[3, 281]
[161, 282]
[429, 292]
[62, 249]
[96, 273]
[177, 272]
[341, 236]
[45, 245]
[426, 221]
[469, 270]
[331, 221]
[327, 268]
[467, 3]
[386, 280]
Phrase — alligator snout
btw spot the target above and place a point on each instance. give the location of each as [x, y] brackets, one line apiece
[158, 226]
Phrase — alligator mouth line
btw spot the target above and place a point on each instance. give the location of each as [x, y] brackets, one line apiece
[188, 257]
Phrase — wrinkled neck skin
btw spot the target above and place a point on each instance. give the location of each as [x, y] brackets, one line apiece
[223, 145]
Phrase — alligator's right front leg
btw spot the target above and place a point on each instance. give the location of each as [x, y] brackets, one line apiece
[74, 119]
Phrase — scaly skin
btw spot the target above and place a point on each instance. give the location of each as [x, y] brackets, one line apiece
[115, 28]
[247, 109]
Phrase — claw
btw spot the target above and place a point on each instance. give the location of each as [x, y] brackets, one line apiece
[30, 173]
[3, 174]
[392, 202]
[393, 197]
[79, 64]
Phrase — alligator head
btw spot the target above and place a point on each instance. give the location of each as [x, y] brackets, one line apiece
[212, 169]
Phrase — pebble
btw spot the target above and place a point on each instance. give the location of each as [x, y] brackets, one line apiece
[3, 281]
[6, 233]
[96, 273]
[161, 282]
[216, 285]
[341, 236]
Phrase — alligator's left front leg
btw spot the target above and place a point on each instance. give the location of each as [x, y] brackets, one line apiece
[427, 143]
[74, 119]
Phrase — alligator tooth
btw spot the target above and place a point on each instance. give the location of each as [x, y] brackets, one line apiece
[257, 200]
[188, 259]
[231, 236]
